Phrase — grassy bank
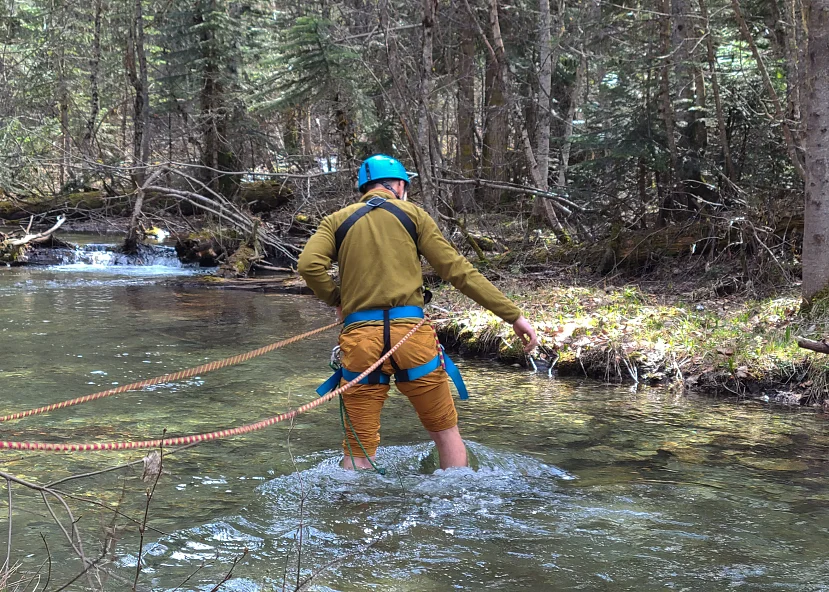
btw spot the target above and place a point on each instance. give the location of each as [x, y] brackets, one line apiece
[740, 345]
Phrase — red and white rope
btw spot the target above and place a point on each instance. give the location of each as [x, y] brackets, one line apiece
[217, 435]
[172, 377]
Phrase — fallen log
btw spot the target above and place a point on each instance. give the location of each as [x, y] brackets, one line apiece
[40, 236]
[822, 347]
[12, 248]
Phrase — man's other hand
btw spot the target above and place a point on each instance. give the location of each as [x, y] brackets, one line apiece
[525, 333]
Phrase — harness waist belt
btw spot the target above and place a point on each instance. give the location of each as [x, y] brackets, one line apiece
[407, 375]
[398, 312]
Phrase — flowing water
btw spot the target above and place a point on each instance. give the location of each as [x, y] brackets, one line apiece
[581, 486]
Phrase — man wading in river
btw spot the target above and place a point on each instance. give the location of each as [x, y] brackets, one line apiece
[378, 243]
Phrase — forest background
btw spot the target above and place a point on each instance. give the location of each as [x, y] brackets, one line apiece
[621, 138]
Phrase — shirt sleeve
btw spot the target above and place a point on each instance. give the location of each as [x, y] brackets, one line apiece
[454, 268]
[315, 261]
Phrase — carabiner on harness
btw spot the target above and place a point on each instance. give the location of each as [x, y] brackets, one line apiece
[336, 359]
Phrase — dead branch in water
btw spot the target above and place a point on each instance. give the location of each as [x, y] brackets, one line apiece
[31, 238]
[13, 247]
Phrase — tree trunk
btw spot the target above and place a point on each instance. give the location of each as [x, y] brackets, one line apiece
[496, 123]
[794, 60]
[344, 123]
[400, 93]
[424, 128]
[209, 99]
[690, 145]
[715, 87]
[816, 94]
[66, 145]
[666, 106]
[217, 155]
[94, 66]
[464, 194]
[497, 56]
[62, 96]
[548, 58]
[131, 239]
[305, 127]
[291, 132]
[575, 105]
[138, 78]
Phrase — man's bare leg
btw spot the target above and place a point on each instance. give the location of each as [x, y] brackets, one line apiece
[360, 462]
[450, 447]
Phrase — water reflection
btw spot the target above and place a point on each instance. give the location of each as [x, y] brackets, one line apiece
[581, 487]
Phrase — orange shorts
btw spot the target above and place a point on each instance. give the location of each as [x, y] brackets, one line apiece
[430, 395]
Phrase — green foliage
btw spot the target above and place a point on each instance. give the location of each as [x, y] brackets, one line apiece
[312, 66]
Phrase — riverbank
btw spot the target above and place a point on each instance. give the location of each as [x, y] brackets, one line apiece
[738, 345]
[710, 332]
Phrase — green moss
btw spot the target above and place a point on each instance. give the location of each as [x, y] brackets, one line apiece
[265, 195]
[91, 200]
[239, 263]
[600, 331]
[215, 233]
[7, 209]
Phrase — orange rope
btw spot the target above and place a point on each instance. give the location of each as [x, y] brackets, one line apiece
[183, 440]
[203, 369]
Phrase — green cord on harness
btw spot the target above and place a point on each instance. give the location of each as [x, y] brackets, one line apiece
[343, 418]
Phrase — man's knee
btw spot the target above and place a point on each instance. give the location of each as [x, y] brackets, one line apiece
[433, 402]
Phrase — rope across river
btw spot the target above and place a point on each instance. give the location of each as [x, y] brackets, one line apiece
[194, 438]
[172, 377]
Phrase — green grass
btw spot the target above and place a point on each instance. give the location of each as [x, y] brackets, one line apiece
[735, 338]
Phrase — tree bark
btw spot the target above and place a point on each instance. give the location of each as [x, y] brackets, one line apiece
[464, 194]
[722, 130]
[496, 122]
[821, 347]
[63, 96]
[131, 240]
[137, 73]
[217, 155]
[94, 66]
[816, 94]
[424, 128]
[690, 144]
[66, 144]
[575, 104]
[548, 58]
[667, 109]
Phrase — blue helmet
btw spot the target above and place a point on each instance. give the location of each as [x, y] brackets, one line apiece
[379, 167]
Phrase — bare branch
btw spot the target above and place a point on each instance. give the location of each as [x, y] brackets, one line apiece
[28, 238]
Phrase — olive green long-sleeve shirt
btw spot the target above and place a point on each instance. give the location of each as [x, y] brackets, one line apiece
[380, 266]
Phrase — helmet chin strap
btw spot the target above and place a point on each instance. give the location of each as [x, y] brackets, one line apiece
[389, 187]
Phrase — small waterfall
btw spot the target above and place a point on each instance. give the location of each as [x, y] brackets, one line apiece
[107, 258]
[102, 255]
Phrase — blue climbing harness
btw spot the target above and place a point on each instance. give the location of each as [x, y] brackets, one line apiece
[400, 375]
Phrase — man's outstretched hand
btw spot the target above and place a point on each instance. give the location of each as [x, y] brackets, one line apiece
[525, 333]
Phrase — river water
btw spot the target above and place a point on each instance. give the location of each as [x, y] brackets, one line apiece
[581, 486]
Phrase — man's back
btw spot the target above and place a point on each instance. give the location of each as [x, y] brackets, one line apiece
[380, 266]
